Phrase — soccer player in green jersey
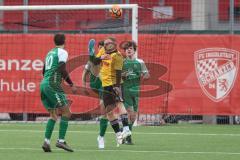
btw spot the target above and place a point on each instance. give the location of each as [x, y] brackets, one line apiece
[134, 70]
[92, 71]
[52, 94]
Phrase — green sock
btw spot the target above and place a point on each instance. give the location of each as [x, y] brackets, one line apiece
[130, 126]
[49, 128]
[63, 127]
[103, 126]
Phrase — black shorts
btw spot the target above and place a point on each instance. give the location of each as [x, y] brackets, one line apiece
[110, 97]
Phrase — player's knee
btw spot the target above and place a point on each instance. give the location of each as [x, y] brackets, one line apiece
[129, 110]
[111, 116]
[122, 109]
[133, 118]
[67, 114]
[132, 115]
[53, 116]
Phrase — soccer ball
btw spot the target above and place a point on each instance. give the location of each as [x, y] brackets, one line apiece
[115, 12]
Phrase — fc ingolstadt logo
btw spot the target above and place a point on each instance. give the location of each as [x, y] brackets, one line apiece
[216, 70]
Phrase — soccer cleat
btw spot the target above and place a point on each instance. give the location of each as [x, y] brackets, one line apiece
[46, 147]
[128, 140]
[126, 133]
[91, 44]
[119, 138]
[63, 145]
[100, 142]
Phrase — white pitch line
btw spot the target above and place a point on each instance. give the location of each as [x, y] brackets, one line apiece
[140, 133]
[129, 151]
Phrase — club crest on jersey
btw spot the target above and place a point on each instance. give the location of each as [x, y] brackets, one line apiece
[216, 70]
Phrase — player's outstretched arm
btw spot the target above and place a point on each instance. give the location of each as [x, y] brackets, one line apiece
[66, 77]
[144, 71]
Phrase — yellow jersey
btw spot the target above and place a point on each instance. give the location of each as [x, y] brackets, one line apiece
[109, 67]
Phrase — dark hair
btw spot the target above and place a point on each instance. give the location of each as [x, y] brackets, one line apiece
[128, 44]
[100, 43]
[59, 39]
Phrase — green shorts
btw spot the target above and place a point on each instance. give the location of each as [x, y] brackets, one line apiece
[52, 98]
[96, 84]
[131, 98]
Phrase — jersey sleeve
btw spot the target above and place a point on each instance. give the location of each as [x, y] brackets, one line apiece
[100, 53]
[118, 62]
[62, 55]
[144, 69]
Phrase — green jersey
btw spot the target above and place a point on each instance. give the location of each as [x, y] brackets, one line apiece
[52, 75]
[95, 82]
[52, 94]
[134, 69]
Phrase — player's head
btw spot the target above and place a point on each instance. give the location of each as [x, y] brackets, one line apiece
[110, 45]
[109, 39]
[100, 44]
[130, 48]
[59, 39]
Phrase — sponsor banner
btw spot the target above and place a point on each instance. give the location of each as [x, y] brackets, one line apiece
[204, 75]
[216, 69]
[196, 74]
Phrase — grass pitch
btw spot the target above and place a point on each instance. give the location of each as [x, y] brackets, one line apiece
[172, 142]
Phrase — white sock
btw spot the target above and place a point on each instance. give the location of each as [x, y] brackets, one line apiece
[118, 133]
[47, 141]
[61, 140]
[126, 128]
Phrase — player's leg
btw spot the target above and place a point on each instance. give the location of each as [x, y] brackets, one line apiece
[48, 131]
[63, 108]
[46, 94]
[123, 115]
[91, 50]
[132, 112]
[103, 127]
[103, 121]
[91, 45]
[132, 117]
[110, 104]
[96, 86]
[116, 127]
[128, 104]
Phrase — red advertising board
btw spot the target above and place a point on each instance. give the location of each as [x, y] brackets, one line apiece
[190, 74]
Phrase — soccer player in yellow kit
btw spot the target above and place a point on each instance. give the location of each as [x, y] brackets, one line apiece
[111, 61]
